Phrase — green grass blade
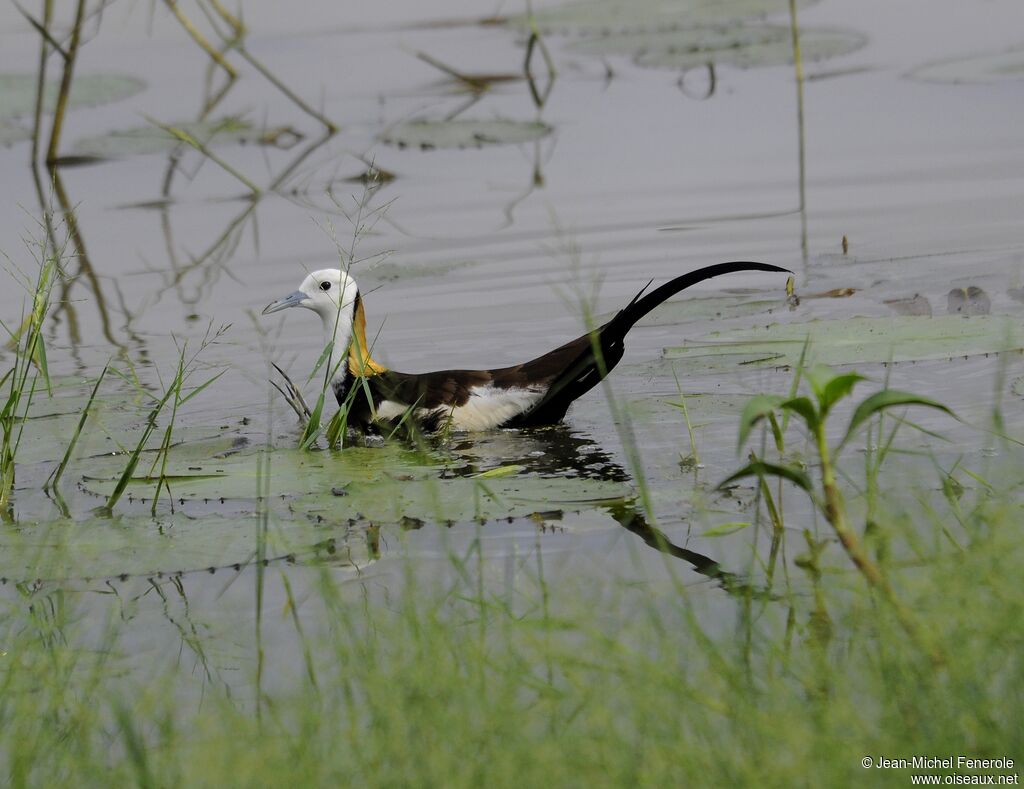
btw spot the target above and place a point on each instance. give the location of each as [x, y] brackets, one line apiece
[59, 471]
[200, 388]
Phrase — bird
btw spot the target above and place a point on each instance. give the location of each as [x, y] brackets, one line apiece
[535, 393]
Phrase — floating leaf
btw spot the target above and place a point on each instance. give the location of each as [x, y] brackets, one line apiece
[968, 301]
[463, 133]
[154, 139]
[18, 92]
[746, 46]
[1005, 66]
[382, 484]
[848, 341]
[604, 16]
[141, 546]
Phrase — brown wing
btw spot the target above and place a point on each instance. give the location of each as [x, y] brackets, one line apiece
[563, 374]
[449, 388]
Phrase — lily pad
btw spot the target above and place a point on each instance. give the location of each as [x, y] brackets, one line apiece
[142, 546]
[18, 92]
[745, 46]
[604, 16]
[1005, 66]
[381, 485]
[463, 133]
[850, 341]
[152, 139]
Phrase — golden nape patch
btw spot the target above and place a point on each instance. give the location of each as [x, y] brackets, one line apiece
[359, 360]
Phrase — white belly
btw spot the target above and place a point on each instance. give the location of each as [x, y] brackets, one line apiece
[487, 408]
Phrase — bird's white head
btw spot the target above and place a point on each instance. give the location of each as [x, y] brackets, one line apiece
[327, 292]
[333, 295]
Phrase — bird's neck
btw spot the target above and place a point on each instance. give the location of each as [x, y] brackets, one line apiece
[350, 355]
[359, 360]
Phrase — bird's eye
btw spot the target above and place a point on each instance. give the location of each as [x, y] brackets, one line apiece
[325, 286]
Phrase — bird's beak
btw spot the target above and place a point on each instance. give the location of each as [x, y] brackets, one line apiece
[291, 300]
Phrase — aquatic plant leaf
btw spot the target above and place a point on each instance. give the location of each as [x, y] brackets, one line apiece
[848, 341]
[725, 528]
[757, 408]
[600, 17]
[153, 139]
[760, 468]
[1006, 66]
[18, 92]
[381, 484]
[839, 387]
[804, 408]
[463, 133]
[742, 45]
[138, 545]
[888, 398]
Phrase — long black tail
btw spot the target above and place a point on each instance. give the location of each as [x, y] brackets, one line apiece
[601, 350]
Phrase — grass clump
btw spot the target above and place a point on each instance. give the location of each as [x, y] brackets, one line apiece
[581, 682]
[28, 371]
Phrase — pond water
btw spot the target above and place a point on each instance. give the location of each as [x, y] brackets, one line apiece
[504, 215]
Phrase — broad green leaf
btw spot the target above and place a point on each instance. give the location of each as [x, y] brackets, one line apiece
[888, 398]
[804, 408]
[759, 468]
[838, 388]
[756, 409]
[819, 377]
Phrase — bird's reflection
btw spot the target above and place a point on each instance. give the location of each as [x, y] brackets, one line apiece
[551, 451]
[560, 451]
